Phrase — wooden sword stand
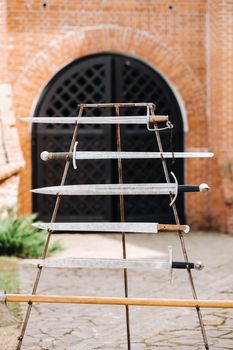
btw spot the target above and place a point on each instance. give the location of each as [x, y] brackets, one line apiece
[152, 123]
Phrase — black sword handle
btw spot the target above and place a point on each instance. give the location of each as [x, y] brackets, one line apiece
[193, 188]
[182, 265]
[187, 265]
[188, 188]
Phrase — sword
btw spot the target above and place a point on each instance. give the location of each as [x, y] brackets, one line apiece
[121, 189]
[142, 119]
[129, 227]
[103, 263]
[121, 155]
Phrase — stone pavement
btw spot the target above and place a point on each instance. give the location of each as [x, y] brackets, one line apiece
[89, 327]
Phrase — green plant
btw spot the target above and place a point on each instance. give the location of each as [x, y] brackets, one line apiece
[19, 238]
[9, 281]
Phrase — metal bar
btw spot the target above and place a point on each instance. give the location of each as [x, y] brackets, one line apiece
[213, 304]
[120, 189]
[53, 218]
[97, 120]
[177, 221]
[103, 263]
[129, 227]
[122, 216]
[122, 155]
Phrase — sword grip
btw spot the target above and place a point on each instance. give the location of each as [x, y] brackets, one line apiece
[169, 227]
[187, 265]
[158, 118]
[183, 265]
[55, 156]
[193, 188]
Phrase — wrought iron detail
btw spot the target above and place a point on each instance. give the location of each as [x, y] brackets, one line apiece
[98, 79]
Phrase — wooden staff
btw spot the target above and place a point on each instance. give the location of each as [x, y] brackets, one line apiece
[117, 301]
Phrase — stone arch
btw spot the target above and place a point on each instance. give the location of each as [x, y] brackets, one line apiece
[143, 46]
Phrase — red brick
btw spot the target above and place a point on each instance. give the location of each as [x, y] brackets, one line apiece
[188, 42]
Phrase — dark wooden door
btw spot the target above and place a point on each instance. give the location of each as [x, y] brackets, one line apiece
[94, 79]
[137, 81]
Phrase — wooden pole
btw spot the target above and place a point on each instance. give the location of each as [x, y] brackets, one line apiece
[118, 301]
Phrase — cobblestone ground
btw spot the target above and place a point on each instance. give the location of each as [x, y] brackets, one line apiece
[89, 327]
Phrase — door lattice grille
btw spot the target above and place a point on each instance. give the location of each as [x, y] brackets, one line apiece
[96, 79]
[140, 83]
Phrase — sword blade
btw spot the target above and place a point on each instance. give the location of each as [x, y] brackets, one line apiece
[118, 189]
[122, 155]
[130, 227]
[101, 263]
[142, 119]
[121, 104]
[108, 189]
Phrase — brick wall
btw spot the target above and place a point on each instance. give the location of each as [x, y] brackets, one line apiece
[220, 108]
[173, 37]
[3, 41]
[11, 160]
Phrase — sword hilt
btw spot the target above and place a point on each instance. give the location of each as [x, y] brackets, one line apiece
[56, 155]
[182, 264]
[172, 228]
[186, 188]
[187, 265]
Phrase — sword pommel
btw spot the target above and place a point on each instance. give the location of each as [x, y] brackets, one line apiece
[204, 187]
[56, 155]
[198, 265]
[44, 155]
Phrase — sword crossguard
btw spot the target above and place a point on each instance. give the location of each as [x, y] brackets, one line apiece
[74, 155]
[170, 252]
[176, 191]
[169, 125]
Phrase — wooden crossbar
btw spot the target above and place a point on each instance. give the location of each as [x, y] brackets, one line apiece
[118, 301]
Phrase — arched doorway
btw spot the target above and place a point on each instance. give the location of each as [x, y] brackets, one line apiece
[100, 78]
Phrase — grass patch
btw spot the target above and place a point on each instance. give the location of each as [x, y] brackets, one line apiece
[19, 238]
[9, 281]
